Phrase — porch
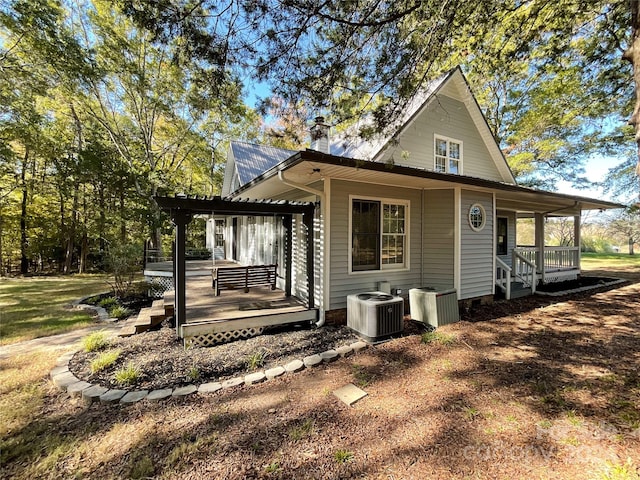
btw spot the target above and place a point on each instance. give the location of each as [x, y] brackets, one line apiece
[204, 318]
[234, 314]
[533, 265]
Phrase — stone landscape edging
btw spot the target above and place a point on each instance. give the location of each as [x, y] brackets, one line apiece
[68, 382]
[98, 311]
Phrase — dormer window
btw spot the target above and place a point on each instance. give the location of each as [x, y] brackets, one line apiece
[448, 155]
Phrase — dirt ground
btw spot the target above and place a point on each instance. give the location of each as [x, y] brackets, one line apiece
[537, 388]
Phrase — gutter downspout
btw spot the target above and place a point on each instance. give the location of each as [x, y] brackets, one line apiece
[322, 196]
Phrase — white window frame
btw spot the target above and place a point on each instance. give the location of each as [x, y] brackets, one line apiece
[447, 158]
[407, 214]
[483, 211]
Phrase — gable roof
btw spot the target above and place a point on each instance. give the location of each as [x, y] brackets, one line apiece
[253, 160]
[452, 83]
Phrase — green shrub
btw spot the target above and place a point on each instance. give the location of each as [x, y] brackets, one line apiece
[108, 303]
[343, 456]
[127, 375]
[119, 312]
[104, 360]
[95, 341]
[123, 261]
[255, 360]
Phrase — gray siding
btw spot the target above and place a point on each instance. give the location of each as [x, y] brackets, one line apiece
[342, 283]
[438, 239]
[511, 235]
[476, 249]
[450, 118]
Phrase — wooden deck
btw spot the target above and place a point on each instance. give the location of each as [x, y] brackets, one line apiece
[235, 314]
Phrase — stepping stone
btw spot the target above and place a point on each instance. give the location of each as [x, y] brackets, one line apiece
[294, 366]
[157, 395]
[93, 393]
[274, 372]
[329, 356]
[64, 379]
[344, 351]
[186, 390]
[209, 387]
[232, 382]
[135, 396]
[75, 389]
[112, 396]
[254, 378]
[312, 360]
[358, 346]
[350, 394]
[58, 370]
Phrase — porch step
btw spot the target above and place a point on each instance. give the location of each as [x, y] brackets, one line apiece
[518, 290]
[147, 318]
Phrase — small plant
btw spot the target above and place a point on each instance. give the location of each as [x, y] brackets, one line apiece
[546, 424]
[573, 419]
[255, 360]
[104, 360]
[141, 468]
[438, 337]
[108, 303]
[361, 377]
[303, 430]
[127, 375]
[343, 456]
[273, 467]
[194, 373]
[470, 412]
[95, 341]
[618, 471]
[119, 312]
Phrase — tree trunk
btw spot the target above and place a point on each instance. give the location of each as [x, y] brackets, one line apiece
[24, 243]
[631, 242]
[68, 256]
[632, 54]
[1, 261]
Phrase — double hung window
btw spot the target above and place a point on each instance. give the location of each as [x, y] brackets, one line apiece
[378, 234]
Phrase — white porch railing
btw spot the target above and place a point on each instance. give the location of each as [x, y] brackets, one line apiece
[525, 270]
[503, 277]
[554, 258]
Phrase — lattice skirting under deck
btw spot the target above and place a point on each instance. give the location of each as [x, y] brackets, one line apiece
[158, 285]
[210, 339]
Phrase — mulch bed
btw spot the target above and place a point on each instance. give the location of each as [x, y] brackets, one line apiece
[163, 361]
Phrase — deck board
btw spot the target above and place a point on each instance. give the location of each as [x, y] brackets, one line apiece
[204, 305]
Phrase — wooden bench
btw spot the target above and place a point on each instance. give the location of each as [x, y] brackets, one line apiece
[231, 278]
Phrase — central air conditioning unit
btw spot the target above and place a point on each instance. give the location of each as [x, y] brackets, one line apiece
[375, 316]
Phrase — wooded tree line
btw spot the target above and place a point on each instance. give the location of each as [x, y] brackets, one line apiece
[105, 104]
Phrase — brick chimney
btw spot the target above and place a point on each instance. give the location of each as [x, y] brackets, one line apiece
[320, 135]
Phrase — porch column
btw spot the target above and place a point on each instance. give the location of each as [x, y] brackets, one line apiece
[576, 239]
[287, 222]
[180, 221]
[539, 239]
[307, 218]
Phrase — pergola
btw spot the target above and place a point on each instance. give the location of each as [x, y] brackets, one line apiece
[182, 208]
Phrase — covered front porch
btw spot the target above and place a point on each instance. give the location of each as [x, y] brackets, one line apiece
[521, 268]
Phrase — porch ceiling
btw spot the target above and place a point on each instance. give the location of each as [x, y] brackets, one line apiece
[309, 167]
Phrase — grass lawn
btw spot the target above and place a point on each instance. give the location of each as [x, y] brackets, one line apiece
[600, 260]
[35, 307]
[611, 265]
